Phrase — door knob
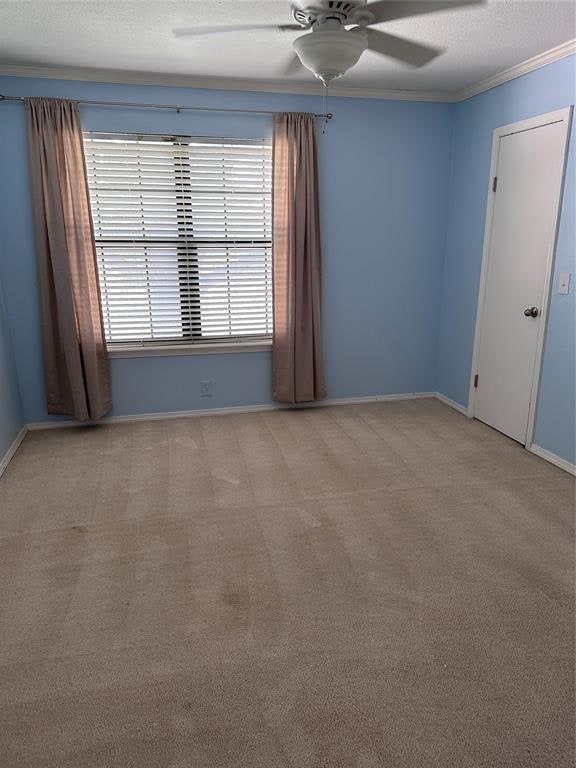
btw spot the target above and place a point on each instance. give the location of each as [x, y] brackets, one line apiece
[531, 312]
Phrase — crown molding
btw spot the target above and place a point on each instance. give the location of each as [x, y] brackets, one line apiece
[547, 57]
[213, 83]
[127, 77]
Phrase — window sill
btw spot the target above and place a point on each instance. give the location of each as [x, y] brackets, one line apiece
[176, 350]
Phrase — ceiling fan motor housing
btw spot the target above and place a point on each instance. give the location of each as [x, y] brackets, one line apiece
[330, 49]
[345, 12]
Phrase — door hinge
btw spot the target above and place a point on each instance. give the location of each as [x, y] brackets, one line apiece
[494, 183]
[476, 381]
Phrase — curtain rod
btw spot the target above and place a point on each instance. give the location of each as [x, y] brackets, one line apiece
[177, 107]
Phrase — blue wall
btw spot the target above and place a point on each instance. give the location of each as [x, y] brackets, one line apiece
[543, 90]
[403, 206]
[11, 417]
[384, 169]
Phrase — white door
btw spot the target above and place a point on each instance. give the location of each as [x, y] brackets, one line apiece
[521, 236]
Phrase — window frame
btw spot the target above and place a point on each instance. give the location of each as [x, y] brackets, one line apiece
[193, 343]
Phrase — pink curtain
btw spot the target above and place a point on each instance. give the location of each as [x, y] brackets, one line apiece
[298, 374]
[76, 371]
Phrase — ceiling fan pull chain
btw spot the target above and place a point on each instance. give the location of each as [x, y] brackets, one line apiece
[324, 106]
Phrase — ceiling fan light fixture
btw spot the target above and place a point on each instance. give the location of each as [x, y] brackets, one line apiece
[329, 54]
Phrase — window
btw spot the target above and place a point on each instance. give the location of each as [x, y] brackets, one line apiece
[183, 237]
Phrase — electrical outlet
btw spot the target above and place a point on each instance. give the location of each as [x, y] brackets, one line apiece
[206, 388]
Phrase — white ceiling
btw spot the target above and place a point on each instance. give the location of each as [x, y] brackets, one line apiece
[136, 35]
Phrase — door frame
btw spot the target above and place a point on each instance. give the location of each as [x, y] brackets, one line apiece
[558, 116]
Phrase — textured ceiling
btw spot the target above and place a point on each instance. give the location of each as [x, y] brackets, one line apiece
[137, 35]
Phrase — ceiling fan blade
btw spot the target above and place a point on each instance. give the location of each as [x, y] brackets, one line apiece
[197, 31]
[294, 66]
[395, 47]
[389, 10]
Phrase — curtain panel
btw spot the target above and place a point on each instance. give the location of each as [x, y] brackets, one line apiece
[298, 374]
[76, 370]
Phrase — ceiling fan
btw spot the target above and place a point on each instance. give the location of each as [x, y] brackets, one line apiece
[339, 31]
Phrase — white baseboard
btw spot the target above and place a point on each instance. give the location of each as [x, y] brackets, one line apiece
[5, 460]
[553, 459]
[451, 403]
[224, 411]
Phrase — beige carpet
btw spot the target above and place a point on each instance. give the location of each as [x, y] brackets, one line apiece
[383, 585]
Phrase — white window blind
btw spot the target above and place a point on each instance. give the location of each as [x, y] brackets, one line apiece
[183, 236]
